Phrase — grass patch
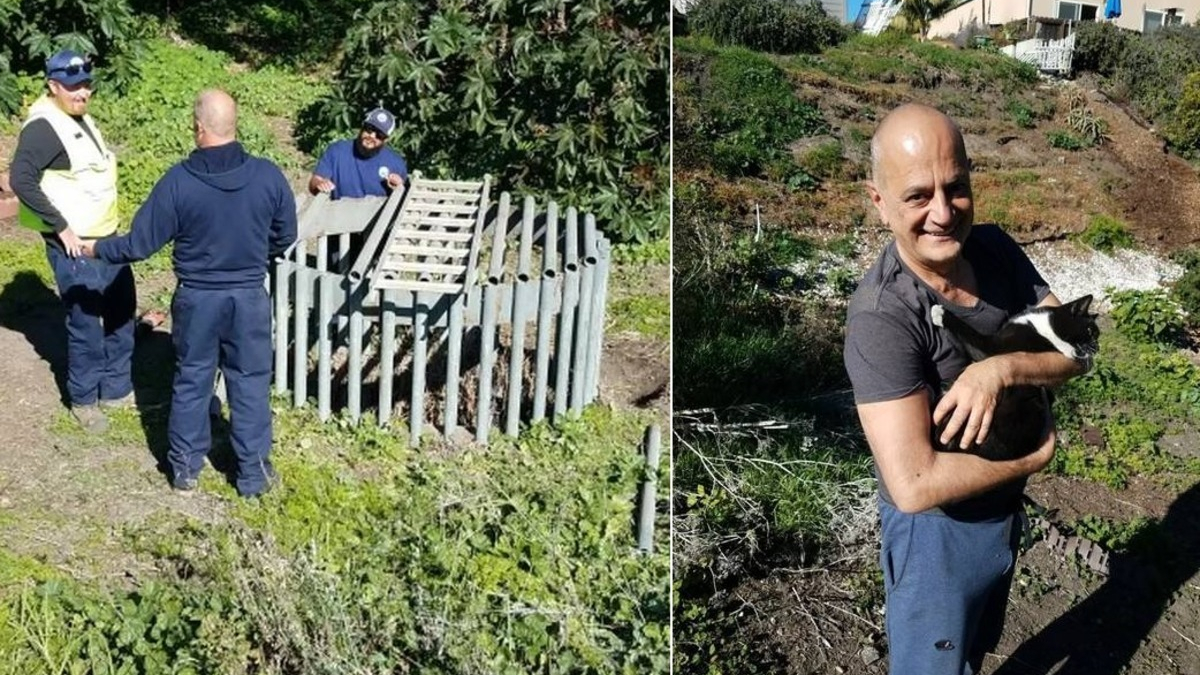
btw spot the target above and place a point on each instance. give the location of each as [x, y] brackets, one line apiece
[371, 557]
[1106, 234]
[649, 315]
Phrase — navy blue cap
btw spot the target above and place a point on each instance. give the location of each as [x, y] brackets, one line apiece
[381, 120]
[69, 68]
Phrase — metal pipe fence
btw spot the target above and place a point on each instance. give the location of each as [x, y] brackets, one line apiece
[467, 360]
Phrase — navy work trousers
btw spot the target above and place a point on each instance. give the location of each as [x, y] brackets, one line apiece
[100, 302]
[232, 327]
[947, 584]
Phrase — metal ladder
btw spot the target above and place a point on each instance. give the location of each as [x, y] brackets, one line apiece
[434, 243]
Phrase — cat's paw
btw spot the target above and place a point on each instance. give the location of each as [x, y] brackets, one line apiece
[936, 312]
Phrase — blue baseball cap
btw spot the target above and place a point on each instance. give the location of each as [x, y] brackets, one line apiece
[69, 68]
[381, 120]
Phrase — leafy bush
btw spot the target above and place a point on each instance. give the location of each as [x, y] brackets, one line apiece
[1065, 140]
[736, 112]
[1022, 114]
[1152, 70]
[1147, 315]
[566, 99]
[32, 30]
[1186, 290]
[1106, 234]
[1183, 129]
[1100, 47]
[775, 26]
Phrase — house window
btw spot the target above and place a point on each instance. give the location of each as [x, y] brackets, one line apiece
[1152, 20]
[1077, 11]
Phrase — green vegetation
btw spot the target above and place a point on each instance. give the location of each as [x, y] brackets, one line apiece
[32, 30]
[1147, 315]
[1187, 288]
[766, 25]
[1106, 234]
[922, 13]
[374, 558]
[572, 104]
[1065, 140]
[736, 110]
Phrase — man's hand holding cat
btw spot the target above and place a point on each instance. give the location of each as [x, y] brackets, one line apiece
[971, 401]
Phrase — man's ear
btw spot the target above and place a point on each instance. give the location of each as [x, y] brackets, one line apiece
[876, 199]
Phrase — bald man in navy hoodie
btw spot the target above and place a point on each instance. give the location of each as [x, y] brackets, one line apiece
[228, 213]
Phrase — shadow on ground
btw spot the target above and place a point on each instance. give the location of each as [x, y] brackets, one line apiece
[1101, 634]
[31, 308]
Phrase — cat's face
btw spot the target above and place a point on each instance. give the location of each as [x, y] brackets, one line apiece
[1076, 325]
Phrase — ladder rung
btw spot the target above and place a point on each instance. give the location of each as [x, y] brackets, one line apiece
[428, 195]
[401, 265]
[448, 184]
[434, 235]
[411, 285]
[435, 251]
[410, 207]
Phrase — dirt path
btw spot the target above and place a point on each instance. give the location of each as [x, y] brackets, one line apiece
[65, 498]
[1162, 196]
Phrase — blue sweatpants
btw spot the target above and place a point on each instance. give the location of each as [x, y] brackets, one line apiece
[947, 585]
[100, 302]
[232, 327]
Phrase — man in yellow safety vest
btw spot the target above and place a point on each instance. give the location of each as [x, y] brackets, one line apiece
[66, 179]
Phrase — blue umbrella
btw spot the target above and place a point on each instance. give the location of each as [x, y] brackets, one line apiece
[1112, 9]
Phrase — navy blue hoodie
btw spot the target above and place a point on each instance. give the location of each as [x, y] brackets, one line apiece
[227, 211]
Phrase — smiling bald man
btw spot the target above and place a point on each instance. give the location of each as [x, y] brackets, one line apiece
[950, 520]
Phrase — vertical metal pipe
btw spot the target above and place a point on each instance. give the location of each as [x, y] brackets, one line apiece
[325, 346]
[354, 357]
[487, 342]
[521, 293]
[545, 317]
[283, 269]
[583, 315]
[454, 362]
[343, 256]
[599, 305]
[387, 354]
[322, 253]
[566, 314]
[647, 510]
[303, 293]
[416, 412]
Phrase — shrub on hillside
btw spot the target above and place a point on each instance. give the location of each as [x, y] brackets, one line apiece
[569, 100]
[32, 30]
[1106, 234]
[743, 114]
[774, 26]
[1100, 47]
[1183, 129]
[1153, 69]
[1187, 288]
[1148, 316]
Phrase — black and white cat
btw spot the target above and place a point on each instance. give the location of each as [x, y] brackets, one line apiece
[1017, 427]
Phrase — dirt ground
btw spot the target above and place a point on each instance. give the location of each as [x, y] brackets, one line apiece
[804, 618]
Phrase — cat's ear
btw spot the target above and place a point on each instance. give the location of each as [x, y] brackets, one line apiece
[1079, 306]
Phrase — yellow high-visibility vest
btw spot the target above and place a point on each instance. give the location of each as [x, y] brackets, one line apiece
[86, 193]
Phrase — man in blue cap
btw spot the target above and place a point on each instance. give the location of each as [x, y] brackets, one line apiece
[66, 179]
[228, 213]
[363, 166]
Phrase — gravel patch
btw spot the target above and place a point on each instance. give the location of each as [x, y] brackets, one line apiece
[1074, 270]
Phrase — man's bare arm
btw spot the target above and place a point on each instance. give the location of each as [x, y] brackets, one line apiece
[918, 477]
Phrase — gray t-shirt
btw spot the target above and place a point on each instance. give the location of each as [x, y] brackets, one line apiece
[892, 348]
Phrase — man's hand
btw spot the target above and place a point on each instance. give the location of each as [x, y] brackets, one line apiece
[320, 184]
[970, 402]
[395, 180]
[89, 249]
[71, 242]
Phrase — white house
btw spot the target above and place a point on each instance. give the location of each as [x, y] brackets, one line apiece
[1138, 15]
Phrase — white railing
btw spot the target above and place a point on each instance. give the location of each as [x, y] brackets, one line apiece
[880, 16]
[1051, 56]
